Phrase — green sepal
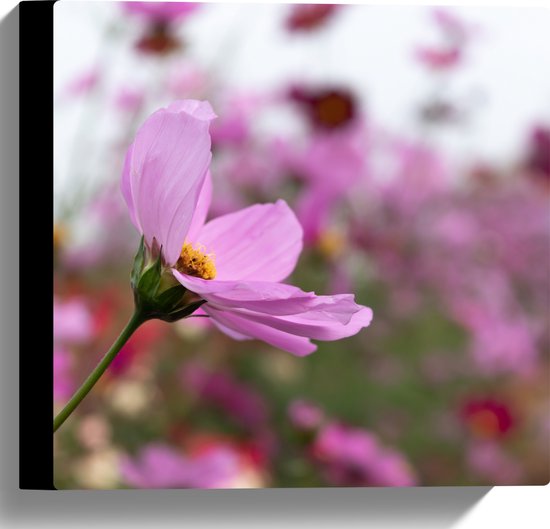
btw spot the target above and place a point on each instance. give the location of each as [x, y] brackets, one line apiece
[171, 299]
[183, 313]
[157, 294]
[149, 282]
[139, 261]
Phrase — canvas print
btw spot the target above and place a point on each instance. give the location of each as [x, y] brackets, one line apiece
[300, 245]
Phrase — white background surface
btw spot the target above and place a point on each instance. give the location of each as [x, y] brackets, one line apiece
[502, 508]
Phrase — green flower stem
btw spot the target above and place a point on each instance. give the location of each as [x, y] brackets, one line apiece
[135, 321]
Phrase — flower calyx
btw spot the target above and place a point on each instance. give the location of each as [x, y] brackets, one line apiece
[157, 294]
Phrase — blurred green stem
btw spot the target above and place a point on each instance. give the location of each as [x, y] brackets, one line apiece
[135, 321]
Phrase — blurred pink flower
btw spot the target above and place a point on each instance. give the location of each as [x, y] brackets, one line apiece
[455, 32]
[354, 457]
[454, 28]
[473, 247]
[503, 337]
[305, 415]
[129, 99]
[187, 80]
[234, 127]
[246, 405]
[488, 460]
[327, 169]
[419, 175]
[538, 156]
[167, 187]
[232, 131]
[160, 467]
[83, 83]
[308, 17]
[504, 345]
[244, 168]
[330, 165]
[439, 58]
[72, 321]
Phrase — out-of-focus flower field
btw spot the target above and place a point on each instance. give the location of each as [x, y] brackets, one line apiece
[449, 385]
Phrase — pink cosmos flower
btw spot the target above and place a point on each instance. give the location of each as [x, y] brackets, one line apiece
[235, 262]
[159, 467]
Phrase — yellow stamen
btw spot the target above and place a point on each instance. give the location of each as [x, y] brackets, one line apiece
[194, 262]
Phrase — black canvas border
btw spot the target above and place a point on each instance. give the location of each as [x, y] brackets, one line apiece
[36, 247]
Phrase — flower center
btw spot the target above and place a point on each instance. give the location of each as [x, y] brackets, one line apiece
[194, 262]
[158, 39]
[333, 109]
[485, 423]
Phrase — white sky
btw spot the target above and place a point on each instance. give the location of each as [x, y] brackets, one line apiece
[506, 77]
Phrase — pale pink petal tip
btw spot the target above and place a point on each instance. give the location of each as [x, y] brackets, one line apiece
[198, 109]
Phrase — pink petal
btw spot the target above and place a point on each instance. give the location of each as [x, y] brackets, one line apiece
[260, 296]
[164, 172]
[293, 344]
[316, 324]
[261, 242]
[258, 308]
[237, 293]
[230, 332]
[201, 209]
[126, 187]
[198, 109]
